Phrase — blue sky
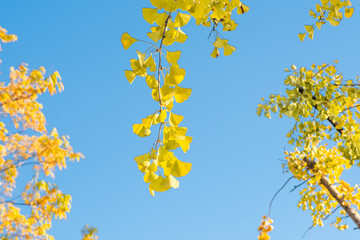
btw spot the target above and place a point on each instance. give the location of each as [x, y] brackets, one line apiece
[235, 154]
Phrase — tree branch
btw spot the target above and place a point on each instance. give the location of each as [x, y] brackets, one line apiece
[353, 214]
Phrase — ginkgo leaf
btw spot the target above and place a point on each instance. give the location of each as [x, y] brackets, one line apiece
[302, 36]
[312, 13]
[149, 14]
[150, 63]
[162, 116]
[138, 69]
[181, 36]
[220, 43]
[185, 4]
[215, 53]
[311, 34]
[349, 12]
[148, 121]
[142, 159]
[334, 22]
[182, 94]
[170, 37]
[242, 9]
[318, 24]
[175, 119]
[140, 130]
[130, 75]
[152, 167]
[158, 3]
[228, 50]
[156, 185]
[141, 57]
[173, 57]
[155, 34]
[150, 177]
[160, 19]
[309, 28]
[176, 75]
[127, 40]
[182, 19]
[180, 168]
[170, 182]
[151, 82]
[185, 143]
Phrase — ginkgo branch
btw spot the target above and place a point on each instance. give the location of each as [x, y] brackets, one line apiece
[354, 215]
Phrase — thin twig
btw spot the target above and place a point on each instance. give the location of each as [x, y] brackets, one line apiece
[327, 216]
[295, 187]
[278, 191]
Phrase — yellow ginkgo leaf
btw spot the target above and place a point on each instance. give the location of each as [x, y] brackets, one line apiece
[185, 4]
[242, 9]
[152, 192]
[150, 177]
[184, 143]
[181, 37]
[158, 3]
[173, 57]
[311, 34]
[141, 57]
[170, 182]
[182, 94]
[302, 36]
[127, 40]
[215, 53]
[151, 81]
[182, 19]
[143, 159]
[148, 121]
[162, 116]
[312, 13]
[319, 24]
[349, 12]
[309, 28]
[228, 50]
[149, 14]
[334, 22]
[176, 75]
[160, 19]
[156, 185]
[152, 167]
[150, 63]
[220, 43]
[180, 168]
[138, 69]
[140, 130]
[175, 119]
[130, 75]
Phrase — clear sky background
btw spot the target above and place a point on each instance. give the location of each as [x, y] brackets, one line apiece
[235, 154]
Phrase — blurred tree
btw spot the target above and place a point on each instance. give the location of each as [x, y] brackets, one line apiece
[27, 208]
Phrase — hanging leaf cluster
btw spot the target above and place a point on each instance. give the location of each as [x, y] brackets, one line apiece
[163, 75]
[331, 11]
